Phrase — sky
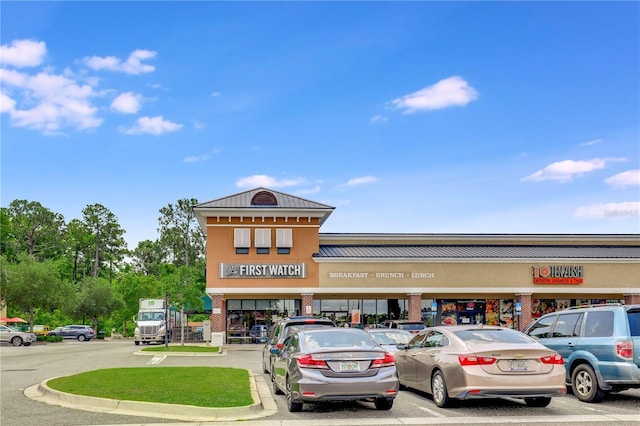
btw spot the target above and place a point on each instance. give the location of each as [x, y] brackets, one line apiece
[407, 117]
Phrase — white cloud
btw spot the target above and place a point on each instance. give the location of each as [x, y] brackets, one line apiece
[204, 157]
[50, 102]
[127, 103]
[267, 181]
[628, 178]
[564, 171]
[593, 142]
[6, 103]
[452, 91]
[308, 191]
[378, 119]
[610, 210]
[361, 180]
[23, 53]
[133, 64]
[151, 125]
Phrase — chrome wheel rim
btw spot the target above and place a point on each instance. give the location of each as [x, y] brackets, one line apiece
[584, 383]
[438, 388]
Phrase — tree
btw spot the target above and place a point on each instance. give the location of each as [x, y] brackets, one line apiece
[180, 233]
[147, 257]
[78, 242]
[185, 287]
[107, 241]
[29, 286]
[35, 229]
[97, 299]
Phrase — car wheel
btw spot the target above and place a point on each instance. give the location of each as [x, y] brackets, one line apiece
[383, 403]
[16, 341]
[137, 343]
[274, 385]
[439, 390]
[81, 338]
[585, 384]
[293, 406]
[537, 402]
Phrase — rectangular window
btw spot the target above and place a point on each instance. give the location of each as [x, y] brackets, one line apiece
[262, 250]
[284, 250]
[242, 237]
[263, 238]
[242, 250]
[284, 238]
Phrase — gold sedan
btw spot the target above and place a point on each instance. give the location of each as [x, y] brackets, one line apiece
[475, 361]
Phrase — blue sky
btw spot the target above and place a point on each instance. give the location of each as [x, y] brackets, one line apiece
[425, 117]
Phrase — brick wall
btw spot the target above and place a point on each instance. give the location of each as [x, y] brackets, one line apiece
[415, 307]
[307, 301]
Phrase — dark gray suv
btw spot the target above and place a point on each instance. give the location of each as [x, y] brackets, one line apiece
[600, 345]
[80, 332]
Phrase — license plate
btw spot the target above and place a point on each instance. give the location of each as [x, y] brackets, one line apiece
[518, 365]
[348, 366]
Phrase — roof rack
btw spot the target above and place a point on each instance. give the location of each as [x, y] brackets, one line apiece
[600, 305]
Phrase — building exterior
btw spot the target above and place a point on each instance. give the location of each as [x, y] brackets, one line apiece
[267, 259]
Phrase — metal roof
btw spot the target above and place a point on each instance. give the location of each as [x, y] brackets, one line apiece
[242, 200]
[479, 251]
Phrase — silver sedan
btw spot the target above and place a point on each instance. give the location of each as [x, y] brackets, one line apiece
[334, 364]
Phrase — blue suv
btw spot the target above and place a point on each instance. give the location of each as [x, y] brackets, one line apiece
[600, 345]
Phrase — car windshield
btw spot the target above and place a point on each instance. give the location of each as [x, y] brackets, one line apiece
[338, 340]
[417, 326]
[492, 336]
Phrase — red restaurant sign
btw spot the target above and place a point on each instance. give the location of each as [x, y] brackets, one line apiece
[558, 274]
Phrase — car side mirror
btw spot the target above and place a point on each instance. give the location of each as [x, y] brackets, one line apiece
[402, 346]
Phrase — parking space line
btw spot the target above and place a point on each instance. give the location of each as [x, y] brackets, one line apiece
[157, 359]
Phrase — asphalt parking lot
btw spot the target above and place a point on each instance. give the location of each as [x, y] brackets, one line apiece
[22, 368]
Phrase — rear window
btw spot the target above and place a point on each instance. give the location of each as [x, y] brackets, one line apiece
[599, 324]
[492, 336]
[417, 326]
[634, 322]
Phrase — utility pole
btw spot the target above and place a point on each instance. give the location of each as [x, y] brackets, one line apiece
[167, 323]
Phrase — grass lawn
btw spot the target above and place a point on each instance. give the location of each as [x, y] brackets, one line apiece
[199, 386]
[180, 348]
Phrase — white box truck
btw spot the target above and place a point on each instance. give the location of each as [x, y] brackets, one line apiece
[151, 324]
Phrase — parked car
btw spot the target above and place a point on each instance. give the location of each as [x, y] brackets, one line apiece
[80, 332]
[16, 337]
[389, 338]
[259, 333]
[278, 333]
[475, 361]
[317, 365]
[411, 326]
[600, 345]
[41, 330]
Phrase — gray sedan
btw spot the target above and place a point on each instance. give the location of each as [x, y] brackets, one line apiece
[16, 337]
[334, 364]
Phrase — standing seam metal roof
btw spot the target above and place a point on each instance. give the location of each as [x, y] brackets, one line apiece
[243, 200]
[478, 251]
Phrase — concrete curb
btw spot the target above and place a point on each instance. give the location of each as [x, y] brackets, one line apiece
[263, 405]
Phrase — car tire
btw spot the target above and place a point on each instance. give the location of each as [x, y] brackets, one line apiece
[137, 343]
[383, 403]
[537, 402]
[439, 390]
[584, 383]
[81, 337]
[16, 341]
[276, 389]
[293, 406]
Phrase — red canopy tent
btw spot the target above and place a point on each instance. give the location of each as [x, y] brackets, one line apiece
[14, 319]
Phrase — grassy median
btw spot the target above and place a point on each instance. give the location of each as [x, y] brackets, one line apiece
[200, 386]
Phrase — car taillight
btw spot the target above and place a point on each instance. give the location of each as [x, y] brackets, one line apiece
[552, 359]
[307, 361]
[475, 360]
[387, 361]
[624, 348]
